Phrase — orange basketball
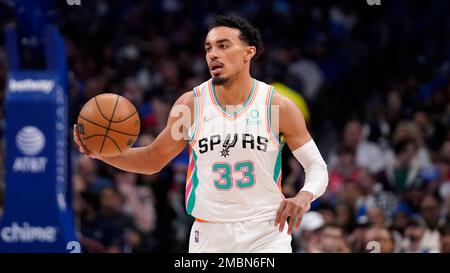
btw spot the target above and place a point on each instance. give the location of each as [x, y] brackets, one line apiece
[108, 124]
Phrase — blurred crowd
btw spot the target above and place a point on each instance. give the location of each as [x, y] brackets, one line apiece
[377, 83]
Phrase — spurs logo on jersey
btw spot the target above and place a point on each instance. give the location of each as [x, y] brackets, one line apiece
[234, 171]
[247, 141]
[227, 144]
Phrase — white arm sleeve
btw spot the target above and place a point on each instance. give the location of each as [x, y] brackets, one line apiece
[316, 173]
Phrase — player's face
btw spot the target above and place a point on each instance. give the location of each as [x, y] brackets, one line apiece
[226, 54]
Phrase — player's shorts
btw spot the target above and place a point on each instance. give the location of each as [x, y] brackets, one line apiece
[241, 237]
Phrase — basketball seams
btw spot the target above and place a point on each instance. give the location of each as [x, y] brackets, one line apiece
[110, 129]
[100, 110]
[110, 120]
[115, 143]
[91, 136]
[95, 123]
[110, 138]
[122, 120]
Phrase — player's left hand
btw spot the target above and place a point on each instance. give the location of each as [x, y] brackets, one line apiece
[294, 208]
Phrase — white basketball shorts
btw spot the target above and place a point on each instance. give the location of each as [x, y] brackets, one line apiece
[239, 237]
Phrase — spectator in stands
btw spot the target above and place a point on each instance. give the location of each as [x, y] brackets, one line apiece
[345, 217]
[376, 217]
[138, 200]
[306, 239]
[367, 154]
[97, 234]
[357, 239]
[379, 240]
[430, 212]
[445, 239]
[400, 221]
[328, 212]
[412, 241]
[404, 172]
[111, 209]
[349, 194]
[373, 195]
[409, 130]
[88, 173]
[345, 169]
[333, 240]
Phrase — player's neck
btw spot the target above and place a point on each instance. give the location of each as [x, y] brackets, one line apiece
[234, 92]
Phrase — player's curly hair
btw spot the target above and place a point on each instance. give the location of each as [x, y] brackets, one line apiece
[249, 33]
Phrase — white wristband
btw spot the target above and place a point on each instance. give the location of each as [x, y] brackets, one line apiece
[316, 173]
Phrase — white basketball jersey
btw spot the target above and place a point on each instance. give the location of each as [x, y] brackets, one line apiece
[234, 169]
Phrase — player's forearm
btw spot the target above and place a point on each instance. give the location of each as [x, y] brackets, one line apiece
[136, 160]
[316, 172]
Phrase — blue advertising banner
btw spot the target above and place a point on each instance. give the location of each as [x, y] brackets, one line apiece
[37, 216]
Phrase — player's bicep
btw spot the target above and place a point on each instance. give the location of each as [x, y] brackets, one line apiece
[292, 123]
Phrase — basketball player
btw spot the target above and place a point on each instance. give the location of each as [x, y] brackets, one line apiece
[234, 174]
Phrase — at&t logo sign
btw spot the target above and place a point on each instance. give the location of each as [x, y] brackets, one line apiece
[30, 141]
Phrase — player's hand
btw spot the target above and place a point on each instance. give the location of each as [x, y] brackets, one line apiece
[294, 208]
[81, 147]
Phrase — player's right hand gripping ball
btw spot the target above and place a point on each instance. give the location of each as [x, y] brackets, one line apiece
[108, 124]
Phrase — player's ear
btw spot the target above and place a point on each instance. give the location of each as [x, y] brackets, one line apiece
[250, 52]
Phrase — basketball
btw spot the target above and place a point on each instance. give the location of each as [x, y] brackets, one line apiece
[108, 124]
